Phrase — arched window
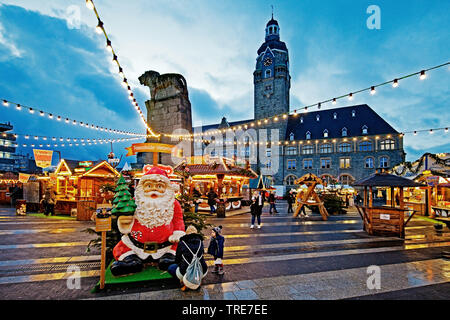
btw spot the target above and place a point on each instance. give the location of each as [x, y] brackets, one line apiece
[335, 115]
[317, 118]
[301, 119]
[325, 133]
[364, 129]
[387, 144]
[344, 132]
[268, 73]
[291, 136]
[325, 148]
[353, 113]
[365, 146]
[308, 135]
[345, 147]
[384, 162]
[290, 180]
[346, 179]
[368, 163]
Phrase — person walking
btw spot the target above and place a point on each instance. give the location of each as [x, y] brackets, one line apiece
[190, 243]
[48, 201]
[290, 200]
[216, 248]
[272, 199]
[257, 204]
[212, 196]
[196, 195]
[303, 213]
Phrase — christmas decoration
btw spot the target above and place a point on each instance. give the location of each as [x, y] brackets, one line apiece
[123, 202]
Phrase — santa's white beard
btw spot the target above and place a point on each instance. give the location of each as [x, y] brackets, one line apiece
[154, 212]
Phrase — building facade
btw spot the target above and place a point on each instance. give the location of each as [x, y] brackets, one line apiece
[339, 145]
[7, 148]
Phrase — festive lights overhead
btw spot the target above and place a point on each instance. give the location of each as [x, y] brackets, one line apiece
[101, 29]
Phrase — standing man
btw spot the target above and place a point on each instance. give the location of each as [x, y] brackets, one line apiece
[197, 195]
[258, 203]
[212, 196]
[290, 200]
[272, 208]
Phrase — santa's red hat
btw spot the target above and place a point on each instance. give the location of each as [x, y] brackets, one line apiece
[156, 172]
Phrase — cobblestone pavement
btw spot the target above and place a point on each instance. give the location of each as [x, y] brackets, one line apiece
[288, 258]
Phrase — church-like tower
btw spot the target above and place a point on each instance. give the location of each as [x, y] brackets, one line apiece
[271, 77]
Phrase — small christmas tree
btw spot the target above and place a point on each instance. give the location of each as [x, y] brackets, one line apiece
[123, 203]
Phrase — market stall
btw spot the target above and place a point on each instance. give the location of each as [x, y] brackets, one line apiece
[82, 183]
[221, 175]
[388, 220]
[7, 183]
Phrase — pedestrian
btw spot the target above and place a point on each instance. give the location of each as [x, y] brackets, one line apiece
[290, 200]
[216, 248]
[16, 193]
[196, 195]
[272, 199]
[351, 201]
[212, 196]
[256, 210]
[303, 213]
[48, 201]
[358, 199]
[190, 244]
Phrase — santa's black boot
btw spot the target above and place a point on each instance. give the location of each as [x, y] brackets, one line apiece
[166, 260]
[130, 264]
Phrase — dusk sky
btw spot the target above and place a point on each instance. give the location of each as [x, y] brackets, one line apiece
[52, 58]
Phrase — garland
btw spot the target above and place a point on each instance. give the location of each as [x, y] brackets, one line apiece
[408, 165]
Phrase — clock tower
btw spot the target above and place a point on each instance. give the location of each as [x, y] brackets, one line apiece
[271, 77]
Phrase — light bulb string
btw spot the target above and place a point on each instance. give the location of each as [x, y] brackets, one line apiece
[116, 60]
[6, 102]
[294, 112]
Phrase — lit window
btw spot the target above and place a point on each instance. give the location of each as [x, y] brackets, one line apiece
[308, 135]
[387, 144]
[325, 133]
[364, 130]
[335, 115]
[301, 119]
[344, 163]
[325, 148]
[345, 179]
[291, 137]
[308, 150]
[317, 118]
[353, 113]
[344, 132]
[291, 151]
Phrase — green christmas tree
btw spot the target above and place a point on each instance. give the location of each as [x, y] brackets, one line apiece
[123, 203]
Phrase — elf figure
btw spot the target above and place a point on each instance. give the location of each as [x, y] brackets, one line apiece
[153, 232]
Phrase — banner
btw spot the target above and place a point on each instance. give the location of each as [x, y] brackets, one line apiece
[43, 158]
[23, 177]
[149, 147]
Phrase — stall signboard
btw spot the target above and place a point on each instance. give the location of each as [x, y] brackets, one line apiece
[102, 224]
[85, 164]
[23, 178]
[43, 158]
[78, 170]
[149, 147]
[432, 180]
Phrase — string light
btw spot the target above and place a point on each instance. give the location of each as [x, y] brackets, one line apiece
[90, 4]
[422, 76]
[99, 28]
[5, 103]
[395, 83]
[372, 90]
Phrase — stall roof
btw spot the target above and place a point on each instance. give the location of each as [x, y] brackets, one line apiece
[214, 168]
[386, 180]
[262, 182]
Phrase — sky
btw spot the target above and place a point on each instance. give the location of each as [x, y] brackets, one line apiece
[52, 58]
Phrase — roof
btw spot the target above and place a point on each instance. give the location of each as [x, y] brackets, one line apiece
[364, 116]
[386, 180]
[272, 44]
[217, 125]
[262, 182]
[272, 22]
[219, 167]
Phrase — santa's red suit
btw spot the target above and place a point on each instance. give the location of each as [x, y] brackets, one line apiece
[171, 231]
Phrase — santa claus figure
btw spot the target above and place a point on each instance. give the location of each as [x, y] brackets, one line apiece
[153, 232]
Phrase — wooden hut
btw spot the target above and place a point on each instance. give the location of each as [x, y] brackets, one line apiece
[388, 220]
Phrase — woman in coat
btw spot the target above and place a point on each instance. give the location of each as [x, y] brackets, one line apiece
[184, 255]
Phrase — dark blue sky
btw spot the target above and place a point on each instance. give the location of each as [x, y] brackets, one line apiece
[65, 69]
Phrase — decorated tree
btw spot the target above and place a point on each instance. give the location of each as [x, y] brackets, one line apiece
[123, 203]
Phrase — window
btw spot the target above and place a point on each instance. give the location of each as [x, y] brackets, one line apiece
[301, 119]
[269, 165]
[291, 151]
[344, 132]
[308, 150]
[345, 147]
[291, 164]
[353, 113]
[387, 144]
[268, 73]
[291, 136]
[307, 164]
[290, 180]
[308, 135]
[325, 148]
[268, 152]
[344, 163]
[325, 133]
[335, 115]
[364, 130]
[270, 30]
[325, 163]
[383, 162]
[365, 146]
[317, 118]
[346, 179]
[368, 163]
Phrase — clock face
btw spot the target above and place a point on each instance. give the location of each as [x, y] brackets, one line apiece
[267, 62]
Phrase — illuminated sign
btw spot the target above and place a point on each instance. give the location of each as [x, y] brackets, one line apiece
[85, 163]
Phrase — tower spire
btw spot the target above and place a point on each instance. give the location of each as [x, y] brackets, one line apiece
[272, 10]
